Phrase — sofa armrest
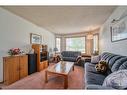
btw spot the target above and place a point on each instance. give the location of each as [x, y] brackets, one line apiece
[98, 87]
[78, 58]
[87, 63]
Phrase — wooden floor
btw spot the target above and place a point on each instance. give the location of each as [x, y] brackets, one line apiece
[37, 81]
[2, 85]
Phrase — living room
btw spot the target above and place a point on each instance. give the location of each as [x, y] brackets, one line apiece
[62, 46]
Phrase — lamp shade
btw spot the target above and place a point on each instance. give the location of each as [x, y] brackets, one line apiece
[55, 49]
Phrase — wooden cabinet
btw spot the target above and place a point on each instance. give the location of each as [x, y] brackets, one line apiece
[42, 56]
[15, 68]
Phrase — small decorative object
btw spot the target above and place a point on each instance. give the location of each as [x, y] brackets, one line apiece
[35, 39]
[27, 48]
[14, 51]
[31, 51]
[101, 67]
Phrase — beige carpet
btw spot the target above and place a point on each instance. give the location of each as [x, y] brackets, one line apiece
[36, 81]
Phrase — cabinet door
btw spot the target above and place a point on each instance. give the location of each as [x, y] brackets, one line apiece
[41, 66]
[11, 70]
[46, 63]
[32, 63]
[23, 66]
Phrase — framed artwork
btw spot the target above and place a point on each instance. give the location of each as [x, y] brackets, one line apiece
[119, 30]
[35, 38]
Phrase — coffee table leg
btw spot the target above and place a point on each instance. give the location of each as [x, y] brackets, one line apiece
[46, 77]
[73, 68]
[66, 82]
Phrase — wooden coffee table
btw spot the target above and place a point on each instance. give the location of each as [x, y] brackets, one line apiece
[62, 68]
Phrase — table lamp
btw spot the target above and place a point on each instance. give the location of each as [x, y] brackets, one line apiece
[55, 49]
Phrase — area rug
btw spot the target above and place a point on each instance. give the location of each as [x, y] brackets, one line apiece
[36, 81]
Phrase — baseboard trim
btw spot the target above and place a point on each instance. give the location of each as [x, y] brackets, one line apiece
[1, 82]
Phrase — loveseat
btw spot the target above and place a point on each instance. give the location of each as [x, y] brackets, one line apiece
[70, 55]
[93, 79]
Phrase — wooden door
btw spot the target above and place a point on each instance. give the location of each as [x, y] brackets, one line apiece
[23, 61]
[11, 69]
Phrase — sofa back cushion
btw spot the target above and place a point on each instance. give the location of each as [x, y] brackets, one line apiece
[71, 53]
[95, 59]
[117, 80]
[115, 62]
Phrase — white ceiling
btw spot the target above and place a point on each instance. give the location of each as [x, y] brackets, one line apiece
[64, 19]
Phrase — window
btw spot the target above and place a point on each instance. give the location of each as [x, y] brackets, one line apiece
[95, 43]
[58, 44]
[76, 44]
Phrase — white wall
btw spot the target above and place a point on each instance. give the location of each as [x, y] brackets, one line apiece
[119, 47]
[15, 32]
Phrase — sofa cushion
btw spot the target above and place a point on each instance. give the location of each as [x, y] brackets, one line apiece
[91, 76]
[105, 56]
[116, 80]
[72, 59]
[118, 63]
[123, 66]
[98, 87]
[95, 59]
[109, 58]
[76, 54]
[114, 61]
[70, 55]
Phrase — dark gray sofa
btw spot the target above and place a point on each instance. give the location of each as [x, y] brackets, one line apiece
[93, 79]
[70, 55]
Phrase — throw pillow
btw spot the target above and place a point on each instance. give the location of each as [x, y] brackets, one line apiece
[117, 80]
[95, 59]
[102, 67]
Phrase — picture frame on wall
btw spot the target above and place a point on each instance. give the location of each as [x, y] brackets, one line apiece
[119, 30]
[35, 38]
